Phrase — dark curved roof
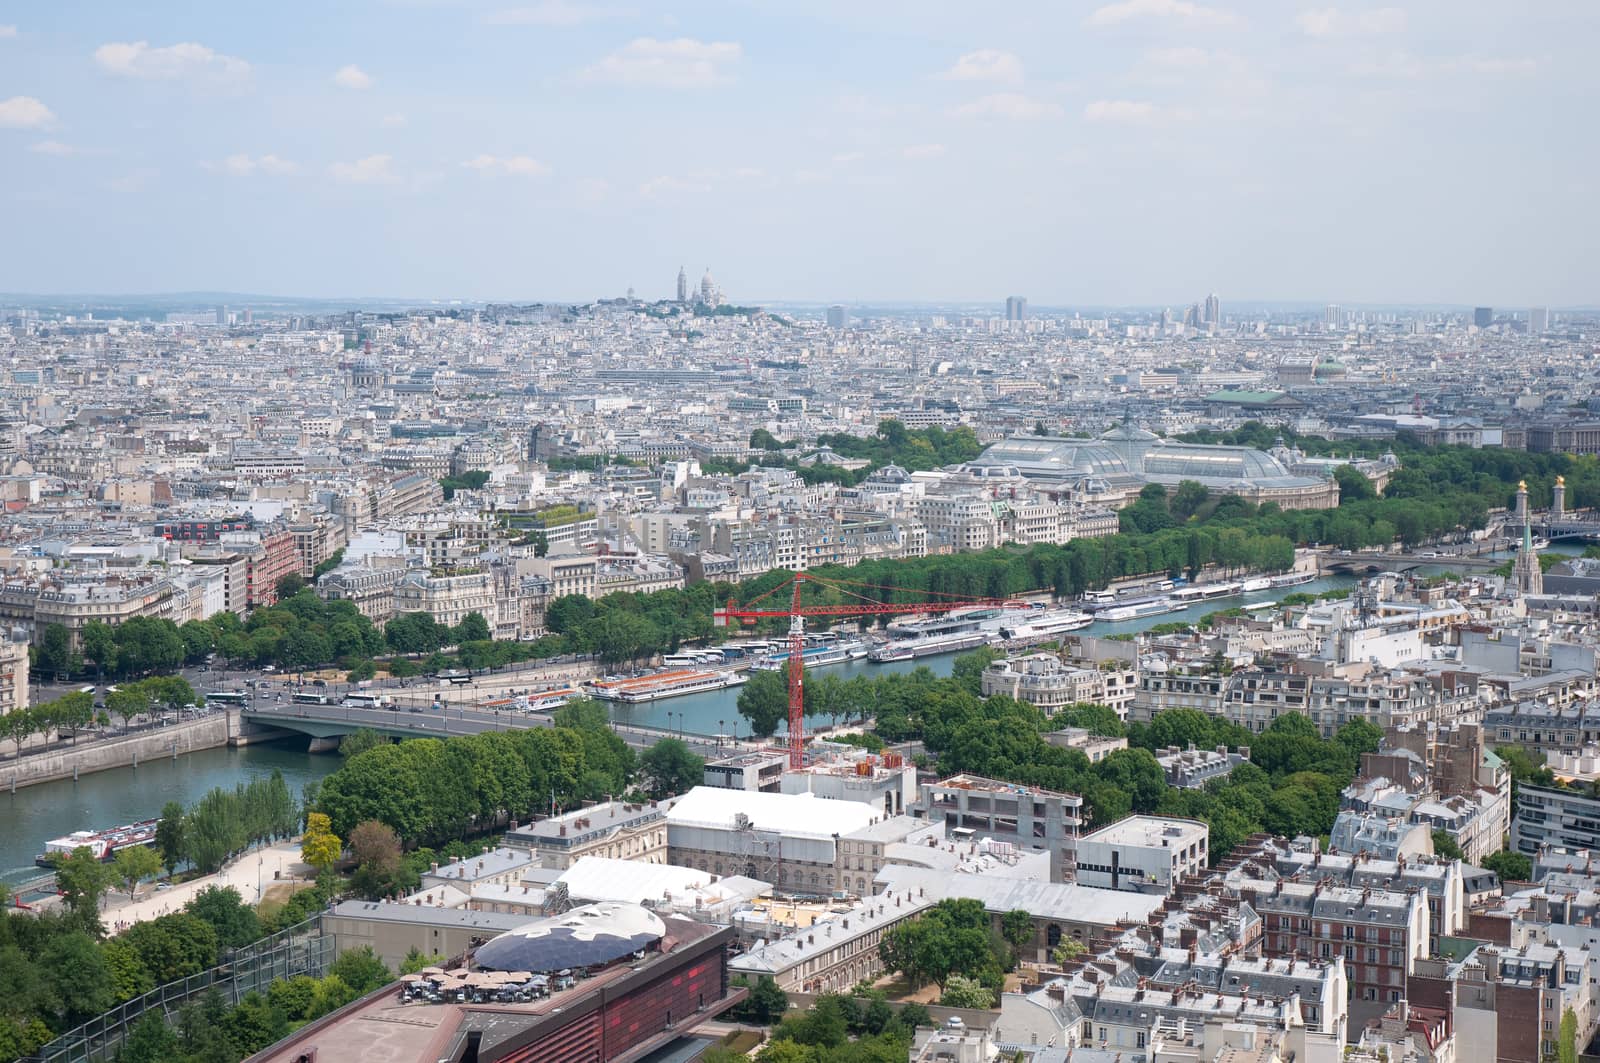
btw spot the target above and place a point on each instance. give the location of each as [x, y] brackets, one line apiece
[590, 936]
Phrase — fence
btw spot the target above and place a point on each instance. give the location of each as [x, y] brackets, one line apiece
[300, 949]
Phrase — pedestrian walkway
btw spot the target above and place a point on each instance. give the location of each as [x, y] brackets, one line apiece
[252, 874]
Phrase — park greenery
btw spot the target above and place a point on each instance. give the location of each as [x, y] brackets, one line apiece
[224, 823]
[437, 791]
[836, 1029]
[59, 969]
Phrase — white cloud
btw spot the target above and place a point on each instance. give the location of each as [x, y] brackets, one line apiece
[24, 112]
[923, 151]
[1010, 105]
[1127, 112]
[372, 170]
[509, 166]
[393, 121]
[550, 13]
[352, 77]
[846, 157]
[54, 147]
[1179, 10]
[134, 180]
[7, 31]
[1405, 66]
[676, 64]
[1332, 22]
[136, 59]
[986, 64]
[666, 184]
[242, 165]
[1183, 58]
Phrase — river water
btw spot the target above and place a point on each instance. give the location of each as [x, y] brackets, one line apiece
[32, 816]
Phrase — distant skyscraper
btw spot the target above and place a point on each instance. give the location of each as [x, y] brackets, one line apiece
[1483, 316]
[683, 285]
[1016, 308]
[1333, 315]
[222, 315]
[1539, 320]
[1213, 309]
[838, 316]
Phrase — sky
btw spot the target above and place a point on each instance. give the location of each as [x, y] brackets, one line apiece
[1131, 152]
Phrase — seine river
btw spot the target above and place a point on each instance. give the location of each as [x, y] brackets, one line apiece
[32, 816]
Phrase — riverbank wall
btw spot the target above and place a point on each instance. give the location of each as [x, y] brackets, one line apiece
[188, 736]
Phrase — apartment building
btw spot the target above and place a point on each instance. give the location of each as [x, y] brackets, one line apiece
[1380, 934]
[1049, 684]
[613, 829]
[447, 596]
[370, 586]
[13, 675]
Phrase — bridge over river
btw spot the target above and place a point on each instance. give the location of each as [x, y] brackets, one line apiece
[329, 722]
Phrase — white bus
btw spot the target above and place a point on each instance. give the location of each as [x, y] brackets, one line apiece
[364, 700]
[308, 698]
[227, 697]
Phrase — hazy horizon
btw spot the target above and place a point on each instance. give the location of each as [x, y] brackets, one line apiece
[1128, 153]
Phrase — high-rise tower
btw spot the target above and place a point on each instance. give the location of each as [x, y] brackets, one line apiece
[683, 285]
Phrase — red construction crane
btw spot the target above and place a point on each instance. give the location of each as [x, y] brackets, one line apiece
[796, 613]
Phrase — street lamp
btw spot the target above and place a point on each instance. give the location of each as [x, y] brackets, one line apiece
[719, 734]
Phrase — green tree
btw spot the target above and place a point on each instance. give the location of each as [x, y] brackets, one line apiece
[963, 992]
[1510, 865]
[1353, 484]
[764, 702]
[473, 628]
[77, 977]
[1068, 950]
[1444, 844]
[416, 960]
[671, 768]
[129, 978]
[234, 921]
[968, 668]
[170, 836]
[1016, 926]
[360, 969]
[82, 880]
[253, 1024]
[99, 646]
[359, 741]
[133, 865]
[173, 946]
[54, 650]
[150, 1041]
[1567, 1039]
[1187, 500]
[766, 1004]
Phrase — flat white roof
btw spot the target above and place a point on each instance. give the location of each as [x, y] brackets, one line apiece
[1153, 832]
[792, 815]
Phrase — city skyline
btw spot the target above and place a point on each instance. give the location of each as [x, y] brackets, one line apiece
[1147, 152]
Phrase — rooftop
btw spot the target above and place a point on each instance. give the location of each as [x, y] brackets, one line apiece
[1149, 831]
